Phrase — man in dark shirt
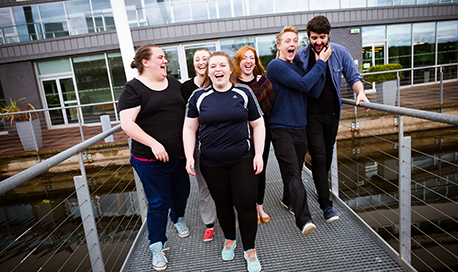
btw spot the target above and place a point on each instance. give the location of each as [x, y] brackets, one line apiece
[323, 113]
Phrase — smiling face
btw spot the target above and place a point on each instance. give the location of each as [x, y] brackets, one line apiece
[318, 41]
[288, 46]
[200, 61]
[219, 72]
[248, 63]
[157, 63]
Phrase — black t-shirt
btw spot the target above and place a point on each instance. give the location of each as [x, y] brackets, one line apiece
[161, 116]
[188, 87]
[328, 101]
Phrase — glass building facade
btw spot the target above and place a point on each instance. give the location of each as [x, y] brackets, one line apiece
[418, 45]
[84, 79]
[76, 17]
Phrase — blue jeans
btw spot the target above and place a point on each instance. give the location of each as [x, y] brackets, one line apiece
[166, 187]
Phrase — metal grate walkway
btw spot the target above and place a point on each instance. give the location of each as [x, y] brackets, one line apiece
[343, 245]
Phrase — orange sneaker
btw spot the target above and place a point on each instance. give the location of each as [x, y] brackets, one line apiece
[208, 234]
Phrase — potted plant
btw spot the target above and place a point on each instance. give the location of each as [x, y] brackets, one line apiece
[28, 129]
[385, 83]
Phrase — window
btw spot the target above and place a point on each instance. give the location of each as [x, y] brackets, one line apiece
[77, 10]
[447, 47]
[230, 46]
[157, 12]
[424, 46]
[91, 76]
[54, 20]
[173, 65]
[117, 73]
[199, 10]
[267, 49]
[400, 48]
[260, 7]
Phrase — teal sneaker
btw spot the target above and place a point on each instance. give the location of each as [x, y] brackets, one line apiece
[159, 259]
[181, 227]
[228, 249]
[252, 261]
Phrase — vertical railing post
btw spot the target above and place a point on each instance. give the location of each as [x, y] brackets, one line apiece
[405, 159]
[334, 173]
[398, 89]
[87, 216]
[142, 201]
[442, 88]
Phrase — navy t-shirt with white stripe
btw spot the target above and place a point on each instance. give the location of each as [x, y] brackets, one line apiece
[224, 131]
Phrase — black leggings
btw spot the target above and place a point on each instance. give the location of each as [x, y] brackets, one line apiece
[234, 185]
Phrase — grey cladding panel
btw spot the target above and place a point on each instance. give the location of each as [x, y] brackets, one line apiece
[87, 42]
[214, 27]
[236, 25]
[23, 50]
[207, 28]
[100, 40]
[200, 29]
[222, 26]
[135, 36]
[157, 33]
[164, 33]
[178, 31]
[264, 23]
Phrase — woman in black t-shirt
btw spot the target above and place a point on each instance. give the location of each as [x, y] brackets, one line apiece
[151, 108]
[223, 113]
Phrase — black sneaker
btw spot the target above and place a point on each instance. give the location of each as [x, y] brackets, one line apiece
[288, 207]
[330, 215]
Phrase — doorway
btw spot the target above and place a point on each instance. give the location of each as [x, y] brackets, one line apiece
[60, 93]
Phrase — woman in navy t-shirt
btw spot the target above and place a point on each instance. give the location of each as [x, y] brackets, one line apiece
[224, 112]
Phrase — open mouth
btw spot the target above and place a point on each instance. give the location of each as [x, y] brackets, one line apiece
[219, 76]
[291, 51]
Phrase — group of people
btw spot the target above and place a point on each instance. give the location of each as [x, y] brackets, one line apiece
[219, 125]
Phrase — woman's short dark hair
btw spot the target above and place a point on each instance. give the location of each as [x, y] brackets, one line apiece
[319, 24]
[143, 52]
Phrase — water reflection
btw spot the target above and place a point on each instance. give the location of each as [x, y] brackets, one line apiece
[368, 173]
[53, 228]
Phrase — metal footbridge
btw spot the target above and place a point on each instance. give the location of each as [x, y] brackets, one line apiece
[344, 245]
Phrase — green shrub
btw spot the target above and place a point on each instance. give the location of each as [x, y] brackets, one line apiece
[385, 76]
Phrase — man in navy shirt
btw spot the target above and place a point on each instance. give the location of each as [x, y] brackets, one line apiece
[323, 112]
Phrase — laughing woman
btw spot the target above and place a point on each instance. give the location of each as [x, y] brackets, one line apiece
[206, 204]
[151, 108]
[223, 112]
[249, 71]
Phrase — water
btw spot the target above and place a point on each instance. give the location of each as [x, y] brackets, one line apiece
[48, 200]
[38, 215]
[371, 189]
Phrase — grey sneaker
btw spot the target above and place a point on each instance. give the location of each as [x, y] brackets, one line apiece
[181, 227]
[308, 228]
[159, 259]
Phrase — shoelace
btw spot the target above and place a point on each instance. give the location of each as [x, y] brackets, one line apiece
[181, 226]
[160, 256]
[229, 245]
[251, 255]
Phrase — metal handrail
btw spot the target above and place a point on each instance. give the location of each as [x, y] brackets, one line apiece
[432, 116]
[18, 179]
